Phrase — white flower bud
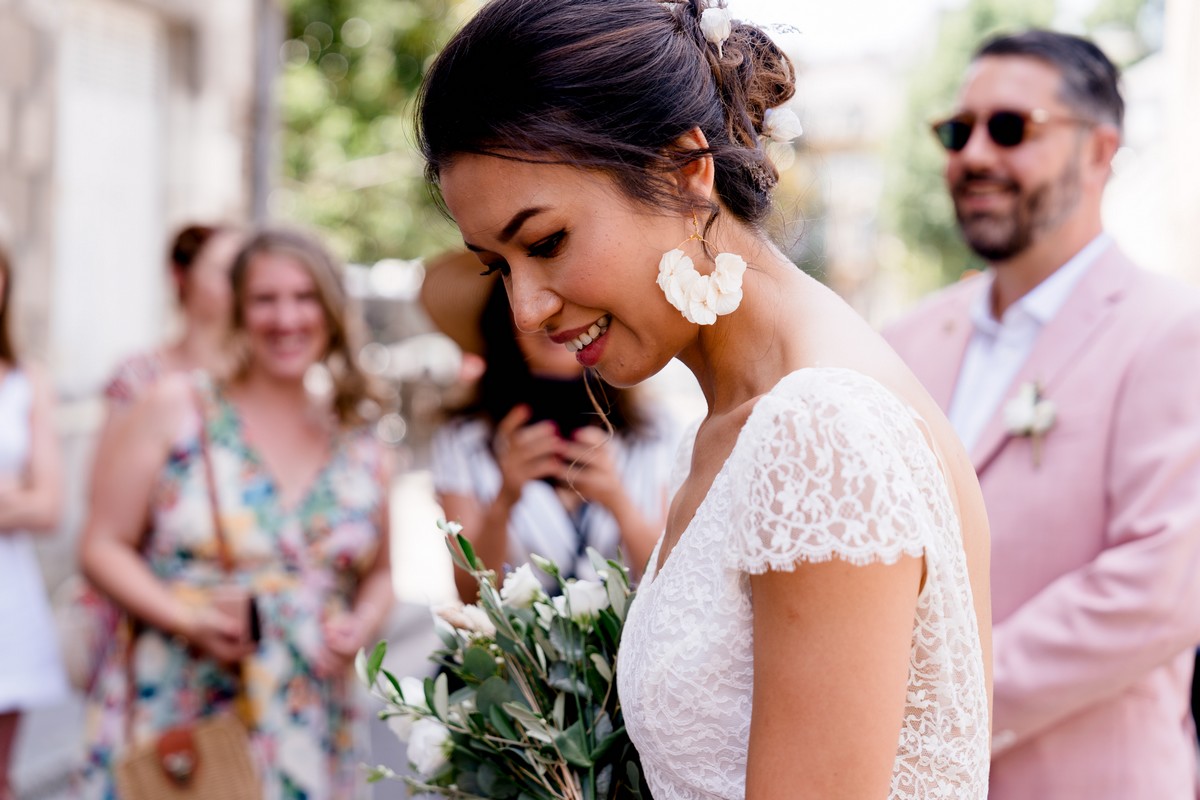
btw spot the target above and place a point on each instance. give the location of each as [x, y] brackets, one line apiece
[781, 125]
[716, 24]
[520, 587]
[429, 746]
[585, 599]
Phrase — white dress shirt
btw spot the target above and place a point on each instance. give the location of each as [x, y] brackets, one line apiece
[999, 348]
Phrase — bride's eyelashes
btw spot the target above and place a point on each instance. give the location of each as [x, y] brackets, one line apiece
[549, 246]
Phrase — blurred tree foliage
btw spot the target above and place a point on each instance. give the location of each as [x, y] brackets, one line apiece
[350, 70]
[917, 209]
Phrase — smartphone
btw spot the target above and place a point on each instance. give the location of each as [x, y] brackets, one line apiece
[255, 621]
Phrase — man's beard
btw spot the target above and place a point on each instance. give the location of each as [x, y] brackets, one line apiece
[999, 236]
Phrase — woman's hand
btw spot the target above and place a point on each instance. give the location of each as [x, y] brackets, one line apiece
[591, 468]
[526, 452]
[222, 632]
[345, 634]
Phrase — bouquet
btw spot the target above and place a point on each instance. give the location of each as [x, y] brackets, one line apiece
[535, 715]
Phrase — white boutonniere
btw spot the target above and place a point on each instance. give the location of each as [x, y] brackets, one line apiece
[1030, 414]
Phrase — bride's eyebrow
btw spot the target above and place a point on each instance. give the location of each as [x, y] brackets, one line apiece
[514, 225]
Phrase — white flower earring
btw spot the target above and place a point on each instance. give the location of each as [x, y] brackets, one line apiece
[701, 298]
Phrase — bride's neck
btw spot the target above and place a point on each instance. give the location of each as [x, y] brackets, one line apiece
[748, 351]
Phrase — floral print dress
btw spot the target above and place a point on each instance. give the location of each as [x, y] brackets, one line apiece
[302, 565]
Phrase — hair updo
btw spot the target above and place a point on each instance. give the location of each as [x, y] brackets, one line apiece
[609, 85]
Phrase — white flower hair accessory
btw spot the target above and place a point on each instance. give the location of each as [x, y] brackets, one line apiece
[716, 24]
[1030, 414]
[781, 125]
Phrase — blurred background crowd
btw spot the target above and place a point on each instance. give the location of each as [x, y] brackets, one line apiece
[124, 121]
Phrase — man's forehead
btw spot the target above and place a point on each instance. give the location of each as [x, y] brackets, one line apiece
[1017, 82]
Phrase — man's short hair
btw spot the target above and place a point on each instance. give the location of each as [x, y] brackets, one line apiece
[1089, 78]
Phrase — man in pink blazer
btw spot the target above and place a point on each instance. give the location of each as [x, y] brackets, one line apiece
[1073, 378]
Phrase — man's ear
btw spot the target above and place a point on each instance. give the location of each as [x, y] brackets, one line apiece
[697, 177]
[1105, 141]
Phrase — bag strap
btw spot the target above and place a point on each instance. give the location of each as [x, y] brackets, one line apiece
[224, 556]
[224, 553]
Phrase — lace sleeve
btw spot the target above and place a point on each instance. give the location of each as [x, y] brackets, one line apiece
[825, 474]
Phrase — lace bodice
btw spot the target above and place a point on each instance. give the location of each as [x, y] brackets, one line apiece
[830, 464]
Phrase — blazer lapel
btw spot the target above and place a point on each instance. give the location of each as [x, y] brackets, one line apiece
[1060, 342]
[941, 364]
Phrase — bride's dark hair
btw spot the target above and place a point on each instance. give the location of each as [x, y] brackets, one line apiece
[609, 85]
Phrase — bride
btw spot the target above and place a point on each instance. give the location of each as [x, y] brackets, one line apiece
[814, 621]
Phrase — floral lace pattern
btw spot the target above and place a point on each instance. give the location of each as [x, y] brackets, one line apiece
[830, 464]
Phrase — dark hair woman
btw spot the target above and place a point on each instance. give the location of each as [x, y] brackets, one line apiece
[816, 613]
[541, 460]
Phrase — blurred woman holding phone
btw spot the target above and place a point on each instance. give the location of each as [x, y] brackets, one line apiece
[266, 567]
[529, 465]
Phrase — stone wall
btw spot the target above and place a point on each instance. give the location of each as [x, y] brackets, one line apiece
[119, 121]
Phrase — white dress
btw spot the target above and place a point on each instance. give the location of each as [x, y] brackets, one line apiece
[31, 672]
[830, 464]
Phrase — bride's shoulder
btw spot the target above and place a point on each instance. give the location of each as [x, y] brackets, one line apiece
[830, 396]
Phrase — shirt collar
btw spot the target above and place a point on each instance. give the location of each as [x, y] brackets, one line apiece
[1045, 300]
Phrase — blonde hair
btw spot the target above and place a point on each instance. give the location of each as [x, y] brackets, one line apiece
[352, 388]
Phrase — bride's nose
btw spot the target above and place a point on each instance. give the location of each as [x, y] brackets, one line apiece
[533, 303]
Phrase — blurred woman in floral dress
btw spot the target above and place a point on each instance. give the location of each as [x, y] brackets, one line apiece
[301, 485]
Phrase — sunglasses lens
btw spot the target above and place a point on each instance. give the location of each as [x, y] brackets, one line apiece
[1006, 128]
[953, 134]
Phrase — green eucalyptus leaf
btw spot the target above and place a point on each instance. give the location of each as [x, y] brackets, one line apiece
[559, 712]
[534, 727]
[375, 662]
[563, 678]
[479, 663]
[508, 644]
[430, 692]
[602, 667]
[500, 721]
[441, 697]
[492, 692]
[598, 562]
[572, 743]
[604, 781]
[617, 597]
[468, 551]
[495, 783]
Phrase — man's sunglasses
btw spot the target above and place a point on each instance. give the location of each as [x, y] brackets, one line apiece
[1005, 128]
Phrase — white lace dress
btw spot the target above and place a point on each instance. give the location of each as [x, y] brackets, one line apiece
[830, 464]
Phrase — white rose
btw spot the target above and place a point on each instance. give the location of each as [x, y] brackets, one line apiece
[412, 692]
[1018, 417]
[520, 587]
[401, 725]
[479, 620]
[429, 746]
[585, 599]
[781, 125]
[716, 25]
[1043, 417]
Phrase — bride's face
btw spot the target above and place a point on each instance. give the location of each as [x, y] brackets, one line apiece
[578, 258]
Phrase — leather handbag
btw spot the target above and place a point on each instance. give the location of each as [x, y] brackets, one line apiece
[205, 760]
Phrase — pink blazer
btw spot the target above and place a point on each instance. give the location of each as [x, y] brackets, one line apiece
[1096, 550]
